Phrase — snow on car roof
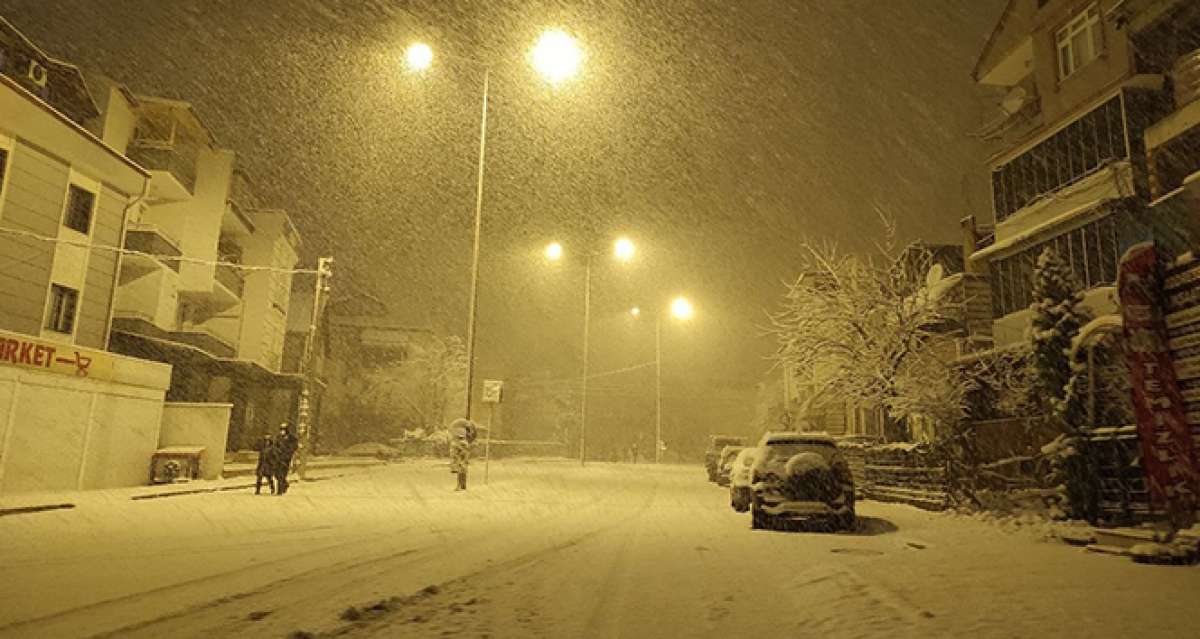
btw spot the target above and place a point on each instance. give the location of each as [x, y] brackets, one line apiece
[790, 437]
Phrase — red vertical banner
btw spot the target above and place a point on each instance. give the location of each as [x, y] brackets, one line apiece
[1168, 457]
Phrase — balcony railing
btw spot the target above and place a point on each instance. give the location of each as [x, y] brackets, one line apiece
[231, 278]
[178, 159]
[1067, 156]
[148, 239]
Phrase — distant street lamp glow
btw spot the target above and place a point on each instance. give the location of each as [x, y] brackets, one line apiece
[419, 56]
[623, 249]
[554, 251]
[635, 311]
[556, 56]
[681, 308]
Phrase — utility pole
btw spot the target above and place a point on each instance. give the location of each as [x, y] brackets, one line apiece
[587, 315]
[657, 388]
[303, 413]
[474, 302]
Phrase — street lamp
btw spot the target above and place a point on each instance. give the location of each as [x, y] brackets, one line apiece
[681, 309]
[418, 56]
[623, 251]
[556, 57]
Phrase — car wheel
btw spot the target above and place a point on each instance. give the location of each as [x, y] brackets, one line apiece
[847, 521]
[756, 519]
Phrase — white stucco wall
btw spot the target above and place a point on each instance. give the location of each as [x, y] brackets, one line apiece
[61, 432]
[196, 424]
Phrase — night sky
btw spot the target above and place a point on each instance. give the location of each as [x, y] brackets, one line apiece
[714, 134]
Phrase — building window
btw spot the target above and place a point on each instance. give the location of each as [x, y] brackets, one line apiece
[1071, 154]
[1092, 252]
[1079, 42]
[63, 301]
[3, 168]
[81, 203]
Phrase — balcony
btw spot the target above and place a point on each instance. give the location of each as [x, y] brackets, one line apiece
[1173, 149]
[1061, 159]
[151, 240]
[208, 339]
[237, 221]
[167, 142]
[231, 278]
[147, 298]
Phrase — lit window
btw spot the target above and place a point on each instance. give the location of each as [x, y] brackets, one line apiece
[1079, 42]
[80, 205]
[63, 301]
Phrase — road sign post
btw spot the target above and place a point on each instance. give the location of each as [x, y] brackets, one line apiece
[493, 391]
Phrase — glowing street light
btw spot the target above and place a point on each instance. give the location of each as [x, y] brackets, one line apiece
[556, 56]
[681, 308]
[419, 56]
[623, 249]
[635, 311]
[554, 251]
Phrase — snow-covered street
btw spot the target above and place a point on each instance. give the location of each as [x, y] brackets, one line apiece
[550, 549]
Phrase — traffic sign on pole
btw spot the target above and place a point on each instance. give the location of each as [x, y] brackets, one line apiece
[492, 391]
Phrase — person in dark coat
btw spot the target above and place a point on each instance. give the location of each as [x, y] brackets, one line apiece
[286, 443]
[462, 433]
[266, 464]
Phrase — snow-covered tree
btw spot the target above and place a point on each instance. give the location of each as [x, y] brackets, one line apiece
[870, 329]
[1058, 314]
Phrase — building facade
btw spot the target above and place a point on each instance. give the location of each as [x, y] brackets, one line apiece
[72, 415]
[1094, 140]
[209, 288]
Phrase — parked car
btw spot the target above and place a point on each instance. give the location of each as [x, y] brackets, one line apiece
[712, 454]
[801, 477]
[724, 462]
[739, 479]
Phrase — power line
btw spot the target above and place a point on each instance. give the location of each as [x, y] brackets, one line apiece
[165, 258]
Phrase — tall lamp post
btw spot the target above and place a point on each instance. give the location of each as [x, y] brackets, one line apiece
[681, 309]
[556, 56]
[623, 251]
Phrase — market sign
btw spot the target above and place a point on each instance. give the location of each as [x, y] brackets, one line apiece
[1168, 456]
[30, 353]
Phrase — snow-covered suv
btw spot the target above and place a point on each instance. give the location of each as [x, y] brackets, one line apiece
[801, 477]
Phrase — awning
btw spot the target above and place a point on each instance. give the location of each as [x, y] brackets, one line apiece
[188, 355]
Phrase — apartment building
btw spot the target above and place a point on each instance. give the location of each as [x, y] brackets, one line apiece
[71, 414]
[1095, 143]
[209, 291]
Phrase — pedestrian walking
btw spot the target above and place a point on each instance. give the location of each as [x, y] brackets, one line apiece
[462, 434]
[284, 448]
[266, 464]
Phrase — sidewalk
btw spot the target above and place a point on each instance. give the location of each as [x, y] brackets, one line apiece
[235, 477]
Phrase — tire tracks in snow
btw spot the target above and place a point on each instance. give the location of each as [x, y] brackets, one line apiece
[419, 616]
[97, 614]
